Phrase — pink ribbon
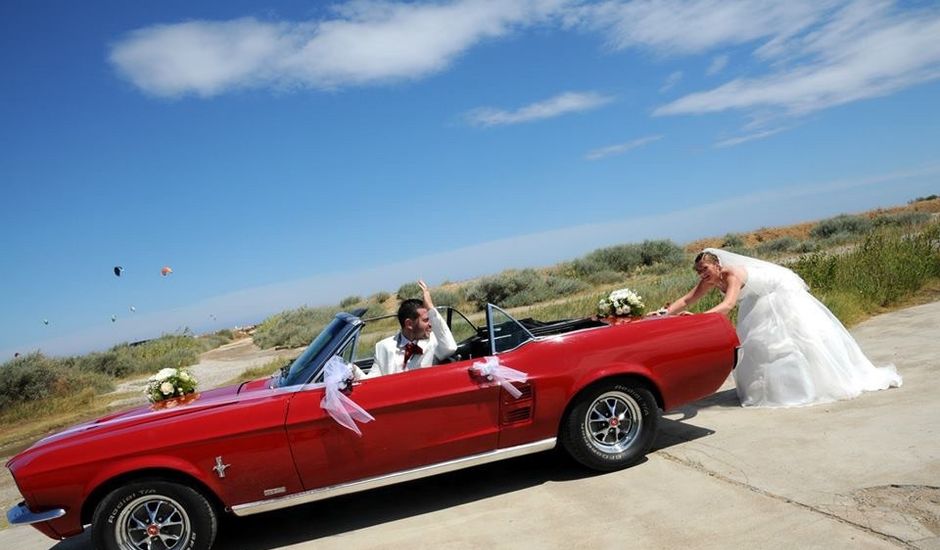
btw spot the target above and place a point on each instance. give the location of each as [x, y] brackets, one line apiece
[343, 409]
[491, 369]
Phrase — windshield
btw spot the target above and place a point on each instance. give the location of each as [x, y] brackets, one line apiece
[300, 370]
[507, 333]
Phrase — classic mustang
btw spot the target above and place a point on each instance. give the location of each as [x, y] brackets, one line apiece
[158, 477]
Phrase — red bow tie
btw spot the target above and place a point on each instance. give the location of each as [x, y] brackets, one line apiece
[411, 349]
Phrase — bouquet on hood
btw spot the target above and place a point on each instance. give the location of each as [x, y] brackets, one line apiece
[621, 302]
[170, 383]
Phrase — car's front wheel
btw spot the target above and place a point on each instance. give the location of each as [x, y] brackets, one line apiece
[610, 426]
[154, 514]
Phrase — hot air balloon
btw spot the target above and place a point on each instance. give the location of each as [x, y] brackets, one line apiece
[166, 270]
[118, 270]
[45, 321]
[113, 318]
[133, 309]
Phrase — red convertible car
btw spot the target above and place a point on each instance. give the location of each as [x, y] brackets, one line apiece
[159, 478]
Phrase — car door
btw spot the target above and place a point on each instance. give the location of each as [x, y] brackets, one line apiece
[422, 417]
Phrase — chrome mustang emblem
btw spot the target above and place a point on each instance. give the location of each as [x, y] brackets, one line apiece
[219, 467]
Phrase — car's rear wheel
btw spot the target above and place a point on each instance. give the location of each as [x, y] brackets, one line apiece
[154, 515]
[610, 426]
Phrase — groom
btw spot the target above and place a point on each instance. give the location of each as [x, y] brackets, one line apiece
[424, 339]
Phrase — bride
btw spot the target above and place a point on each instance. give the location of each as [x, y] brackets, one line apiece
[794, 350]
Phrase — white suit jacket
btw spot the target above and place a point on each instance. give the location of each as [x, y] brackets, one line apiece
[390, 352]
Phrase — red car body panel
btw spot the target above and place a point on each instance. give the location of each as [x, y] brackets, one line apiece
[280, 441]
[421, 417]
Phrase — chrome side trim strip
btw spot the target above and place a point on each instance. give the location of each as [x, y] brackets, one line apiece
[312, 495]
[21, 515]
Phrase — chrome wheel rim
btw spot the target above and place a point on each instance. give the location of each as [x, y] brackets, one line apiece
[152, 522]
[612, 422]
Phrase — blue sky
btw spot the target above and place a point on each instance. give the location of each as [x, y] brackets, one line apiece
[291, 153]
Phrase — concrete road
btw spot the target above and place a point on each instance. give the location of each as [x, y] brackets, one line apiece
[863, 473]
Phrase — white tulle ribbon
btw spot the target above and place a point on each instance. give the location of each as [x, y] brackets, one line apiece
[491, 369]
[343, 409]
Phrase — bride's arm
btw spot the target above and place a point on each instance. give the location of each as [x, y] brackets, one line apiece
[690, 298]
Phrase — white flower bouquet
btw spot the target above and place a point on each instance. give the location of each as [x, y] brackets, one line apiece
[621, 302]
[170, 383]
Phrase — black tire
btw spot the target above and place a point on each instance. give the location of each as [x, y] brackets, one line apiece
[178, 518]
[607, 441]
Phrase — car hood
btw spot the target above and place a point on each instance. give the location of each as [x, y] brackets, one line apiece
[158, 412]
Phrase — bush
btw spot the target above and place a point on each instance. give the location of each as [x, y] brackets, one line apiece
[887, 266]
[661, 252]
[902, 219]
[443, 297]
[498, 288]
[34, 376]
[922, 199]
[809, 245]
[582, 268]
[408, 290]
[732, 240]
[110, 363]
[380, 297]
[520, 287]
[844, 223]
[216, 339]
[627, 257]
[170, 350]
[349, 301]
[623, 257]
[293, 328]
[605, 277]
[776, 246]
[838, 239]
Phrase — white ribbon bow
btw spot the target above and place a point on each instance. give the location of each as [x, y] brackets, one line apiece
[491, 369]
[343, 409]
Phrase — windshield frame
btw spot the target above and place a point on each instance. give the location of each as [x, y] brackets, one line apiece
[305, 368]
[491, 329]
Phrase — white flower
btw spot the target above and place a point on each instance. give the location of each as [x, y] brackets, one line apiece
[165, 373]
[166, 388]
[622, 301]
[184, 375]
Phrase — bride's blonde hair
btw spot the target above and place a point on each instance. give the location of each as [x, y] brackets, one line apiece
[707, 257]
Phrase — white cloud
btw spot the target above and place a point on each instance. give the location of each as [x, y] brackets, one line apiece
[367, 42]
[865, 50]
[620, 148]
[561, 104]
[731, 142]
[671, 81]
[717, 64]
[681, 27]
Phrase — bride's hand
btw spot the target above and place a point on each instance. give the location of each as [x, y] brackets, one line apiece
[686, 313]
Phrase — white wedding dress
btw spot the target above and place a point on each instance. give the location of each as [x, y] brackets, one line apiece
[794, 350]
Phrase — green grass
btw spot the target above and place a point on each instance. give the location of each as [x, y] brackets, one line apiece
[887, 267]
